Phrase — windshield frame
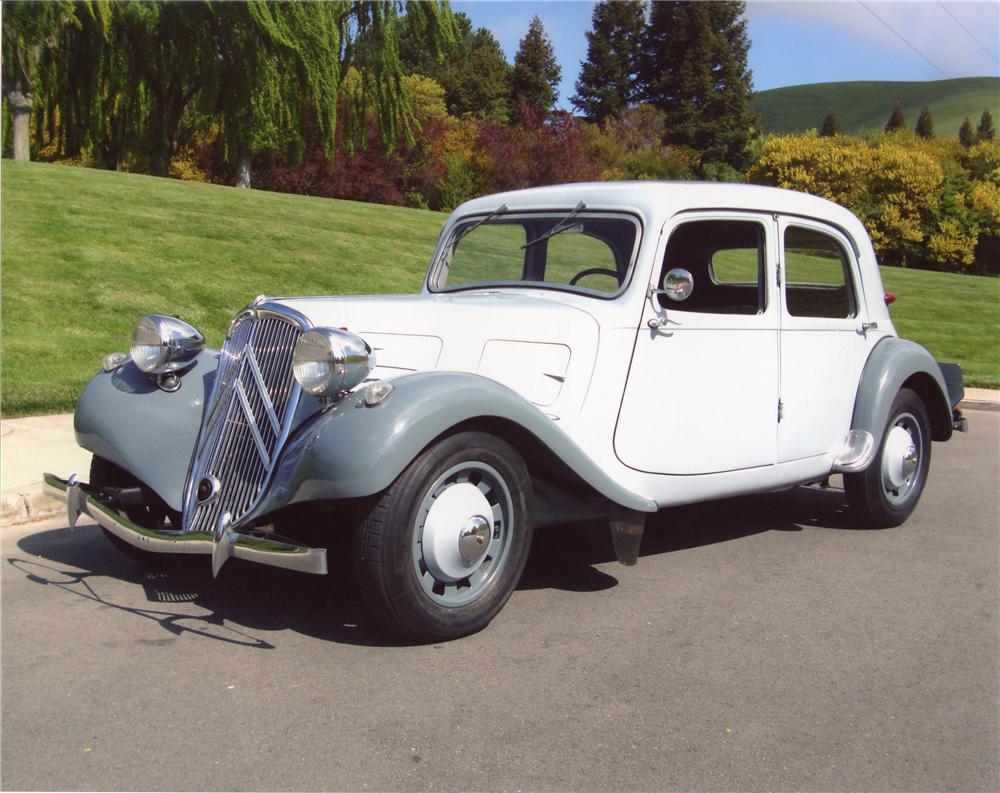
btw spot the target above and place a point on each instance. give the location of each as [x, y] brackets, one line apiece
[455, 230]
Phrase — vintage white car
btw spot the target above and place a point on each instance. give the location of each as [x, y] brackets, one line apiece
[576, 351]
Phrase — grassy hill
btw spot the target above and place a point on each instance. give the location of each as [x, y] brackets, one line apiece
[86, 252]
[865, 106]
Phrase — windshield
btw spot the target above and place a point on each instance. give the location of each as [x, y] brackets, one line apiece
[590, 252]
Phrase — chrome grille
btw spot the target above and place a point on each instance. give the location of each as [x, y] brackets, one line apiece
[251, 408]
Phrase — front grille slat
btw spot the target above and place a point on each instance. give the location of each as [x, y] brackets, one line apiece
[250, 415]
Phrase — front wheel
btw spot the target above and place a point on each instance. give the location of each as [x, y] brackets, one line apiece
[884, 494]
[442, 549]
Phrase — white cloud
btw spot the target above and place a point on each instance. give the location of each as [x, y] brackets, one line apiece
[927, 28]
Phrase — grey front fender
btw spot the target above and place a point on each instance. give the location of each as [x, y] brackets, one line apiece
[126, 418]
[893, 364]
[351, 450]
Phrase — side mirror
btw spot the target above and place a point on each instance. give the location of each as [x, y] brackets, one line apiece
[678, 284]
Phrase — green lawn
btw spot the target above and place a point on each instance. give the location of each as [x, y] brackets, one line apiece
[85, 253]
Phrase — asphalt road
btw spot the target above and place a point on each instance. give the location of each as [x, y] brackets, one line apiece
[760, 644]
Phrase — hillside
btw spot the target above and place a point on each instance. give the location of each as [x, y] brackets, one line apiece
[865, 106]
[86, 252]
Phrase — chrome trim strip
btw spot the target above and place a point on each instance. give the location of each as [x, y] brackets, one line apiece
[262, 385]
[270, 550]
[252, 424]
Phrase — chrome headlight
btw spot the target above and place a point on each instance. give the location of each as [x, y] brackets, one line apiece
[164, 344]
[327, 361]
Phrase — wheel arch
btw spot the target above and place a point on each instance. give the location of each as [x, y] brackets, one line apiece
[894, 364]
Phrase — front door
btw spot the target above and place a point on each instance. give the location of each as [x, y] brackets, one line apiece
[702, 390]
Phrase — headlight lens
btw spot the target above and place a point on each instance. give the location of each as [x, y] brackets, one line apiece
[327, 361]
[164, 344]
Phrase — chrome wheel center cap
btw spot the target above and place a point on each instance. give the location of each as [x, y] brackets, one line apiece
[901, 457]
[457, 533]
[474, 539]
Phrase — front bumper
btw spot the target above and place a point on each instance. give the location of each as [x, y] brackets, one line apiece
[84, 499]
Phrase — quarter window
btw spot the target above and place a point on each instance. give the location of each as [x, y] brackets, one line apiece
[817, 275]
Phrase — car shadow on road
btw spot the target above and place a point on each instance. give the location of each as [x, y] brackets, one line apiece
[181, 596]
[563, 557]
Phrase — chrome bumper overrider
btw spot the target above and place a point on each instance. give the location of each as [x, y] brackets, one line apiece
[84, 499]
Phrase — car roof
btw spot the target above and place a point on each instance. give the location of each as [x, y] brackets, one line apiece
[663, 199]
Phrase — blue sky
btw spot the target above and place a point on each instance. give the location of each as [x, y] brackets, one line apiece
[794, 42]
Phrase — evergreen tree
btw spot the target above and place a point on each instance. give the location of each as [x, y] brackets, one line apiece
[608, 80]
[535, 79]
[925, 124]
[694, 68]
[830, 126]
[472, 69]
[966, 134]
[985, 130]
[897, 120]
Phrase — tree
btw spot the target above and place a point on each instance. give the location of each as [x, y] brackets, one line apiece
[276, 60]
[473, 71]
[925, 124]
[897, 119]
[608, 80]
[830, 126]
[535, 80]
[966, 135]
[985, 130]
[694, 68]
[30, 34]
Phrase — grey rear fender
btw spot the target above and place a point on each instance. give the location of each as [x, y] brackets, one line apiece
[894, 364]
[126, 418]
[352, 451]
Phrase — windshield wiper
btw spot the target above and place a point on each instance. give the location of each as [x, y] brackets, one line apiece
[558, 228]
[469, 229]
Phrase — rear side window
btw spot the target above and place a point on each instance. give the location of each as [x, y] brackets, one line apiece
[817, 275]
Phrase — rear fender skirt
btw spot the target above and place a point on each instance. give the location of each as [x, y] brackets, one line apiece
[352, 451]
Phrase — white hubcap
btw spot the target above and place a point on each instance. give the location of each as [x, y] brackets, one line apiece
[457, 532]
[900, 456]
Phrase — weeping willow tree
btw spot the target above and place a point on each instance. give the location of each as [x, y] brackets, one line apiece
[283, 60]
[31, 33]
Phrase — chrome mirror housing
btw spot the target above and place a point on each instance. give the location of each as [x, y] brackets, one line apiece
[678, 284]
[162, 344]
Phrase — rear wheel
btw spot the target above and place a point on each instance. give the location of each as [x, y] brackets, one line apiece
[884, 494]
[443, 548]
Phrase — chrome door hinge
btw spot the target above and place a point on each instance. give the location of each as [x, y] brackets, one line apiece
[781, 410]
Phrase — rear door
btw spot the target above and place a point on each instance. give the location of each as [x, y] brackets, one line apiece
[824, 343]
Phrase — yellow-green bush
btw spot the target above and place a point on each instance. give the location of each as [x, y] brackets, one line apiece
[924, 203]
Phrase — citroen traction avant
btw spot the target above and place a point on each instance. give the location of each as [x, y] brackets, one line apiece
[576, 352]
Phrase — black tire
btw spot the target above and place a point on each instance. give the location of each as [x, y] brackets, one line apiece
[878, 501]
[105, 474]
[409, 589]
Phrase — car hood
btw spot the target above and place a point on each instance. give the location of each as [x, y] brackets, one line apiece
[542, 348]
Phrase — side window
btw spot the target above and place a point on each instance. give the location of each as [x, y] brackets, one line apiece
[726, 259]
[817, 275]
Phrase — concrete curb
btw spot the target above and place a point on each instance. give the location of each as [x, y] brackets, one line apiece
[26, 507]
